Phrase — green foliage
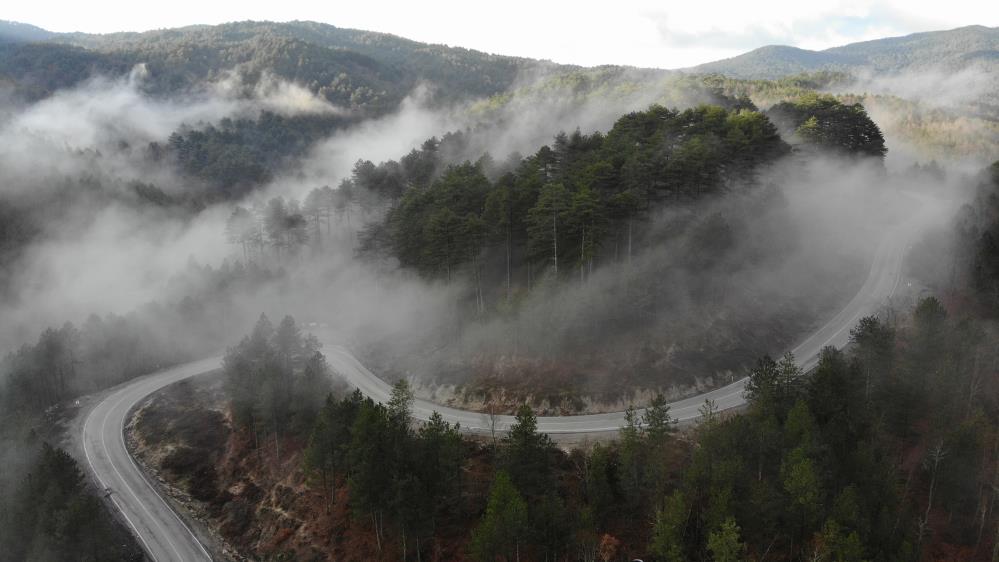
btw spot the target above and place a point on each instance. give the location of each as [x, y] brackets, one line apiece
[771, 386]
[73, 360]
[52, 516]
[39, 69]
[551, 526]
[398, 479]
[657, 424]
[978, 240]
[669, 529]
[527, 455]
[602, 482]
[838, 544]
[813, 469]
[239, 155]
[267, 370]
[400, 403]
[559, 207]
[373, 460]
[503, 527]
[801, 482]
[825, 122]
[725, 545]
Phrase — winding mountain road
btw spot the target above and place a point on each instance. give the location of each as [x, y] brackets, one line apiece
[165, 536]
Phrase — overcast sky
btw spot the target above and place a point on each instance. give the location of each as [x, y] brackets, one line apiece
[650, 33]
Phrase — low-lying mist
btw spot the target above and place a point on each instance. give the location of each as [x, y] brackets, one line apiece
[80, 153]
[719, 283]
[721, 280]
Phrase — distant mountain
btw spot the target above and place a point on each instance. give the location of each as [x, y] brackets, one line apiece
[16, 32]
[951, 50]
[349, 67]
[373, 71]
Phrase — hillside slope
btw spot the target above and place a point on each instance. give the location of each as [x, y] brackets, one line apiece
[352, 68]
[953, 50]
[15, 32]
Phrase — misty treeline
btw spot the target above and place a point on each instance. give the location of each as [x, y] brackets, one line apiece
[886, 451]
[977, 240]
[934, 127]
[47, 512]
[276, 378]
[829, 125]
[585, 199]
[567, 202]
[581, 201]
[103, 351]
[402, 481]
[626, 242]
[239, 155]
[71, 361]
[47, 509]
[279, 387]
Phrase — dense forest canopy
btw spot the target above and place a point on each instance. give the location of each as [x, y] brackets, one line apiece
[240, 155]
[49, 512]
[875, 455]
[578, 193]
[831, 125]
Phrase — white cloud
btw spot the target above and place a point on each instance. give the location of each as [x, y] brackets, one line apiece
[637, 32]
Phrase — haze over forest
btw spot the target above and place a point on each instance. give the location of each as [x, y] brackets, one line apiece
[500, 236]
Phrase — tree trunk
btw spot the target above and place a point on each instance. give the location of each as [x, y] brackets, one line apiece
[327, 486]
[378, 533]
[867, 385]
[509, 252]
[555, 239]
[479, 301]
[629, 241]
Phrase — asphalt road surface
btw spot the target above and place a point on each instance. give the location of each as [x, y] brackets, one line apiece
[158, 528]
[880, 285]
[166, 537]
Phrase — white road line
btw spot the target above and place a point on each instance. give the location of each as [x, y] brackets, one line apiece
[104, 486]
[359, 376]
[142, 475]
[129, 487]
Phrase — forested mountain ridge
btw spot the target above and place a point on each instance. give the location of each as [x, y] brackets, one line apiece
[953, 49]
[14, 32]
[472, 72]
[371, 70]
[958, 45]
[349, 67]
[777, 61]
